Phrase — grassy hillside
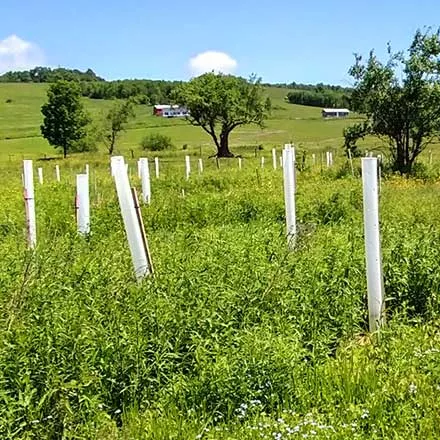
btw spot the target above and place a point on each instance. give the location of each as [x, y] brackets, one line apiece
[20, 121]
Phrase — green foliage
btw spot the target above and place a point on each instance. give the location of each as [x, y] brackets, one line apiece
[234, 337]
[116, 121]
[406, 112]
[145, 91]
[156, 142]
[220, 103]
[319, 98]
[65, 120]
[48, 75]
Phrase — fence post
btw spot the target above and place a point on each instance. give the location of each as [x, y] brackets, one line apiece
[372, 243]
[130, 217]
[83, 203]
[29, 201]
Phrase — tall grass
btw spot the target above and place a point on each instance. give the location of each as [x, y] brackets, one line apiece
[234, 337]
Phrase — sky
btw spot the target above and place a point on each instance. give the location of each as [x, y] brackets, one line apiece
[307, 41]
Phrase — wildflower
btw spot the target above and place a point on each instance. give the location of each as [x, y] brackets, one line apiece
[118, 411]
[412, 388]
[365, 414]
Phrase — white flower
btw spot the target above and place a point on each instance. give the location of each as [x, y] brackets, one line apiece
[412, 388]
[365, 414]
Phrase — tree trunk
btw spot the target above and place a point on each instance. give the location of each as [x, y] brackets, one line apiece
[64, 151]
[223, 147]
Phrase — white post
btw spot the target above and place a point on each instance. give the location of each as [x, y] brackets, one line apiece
[87, 169]
[330, 156]
[57, 173]
[83, 203]
[29, 201]
[131, 222]
[281, 161]
[139, 169]
[156, 165]
[350, 157]
[327, 155]
[262, 161]
[200, 166]
[274, 158]
[372, 243]
[40, 176]
[239, 163]
[187, 167]
[145, 179]
[313, 159]
[289, 194]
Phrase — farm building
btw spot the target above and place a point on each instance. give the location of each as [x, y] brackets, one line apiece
[335, 112]
[170, 111]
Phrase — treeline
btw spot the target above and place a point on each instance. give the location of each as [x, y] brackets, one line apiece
[319, 98]
[145, 91]
[312, 87]
[48, 75]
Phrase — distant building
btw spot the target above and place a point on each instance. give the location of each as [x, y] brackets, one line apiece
[335, 112]
[170, 111]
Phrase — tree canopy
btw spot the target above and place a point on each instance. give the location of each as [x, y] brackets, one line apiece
[220, 103]
[400, 99]
[65, 120]
[116, 121]
[48, 75]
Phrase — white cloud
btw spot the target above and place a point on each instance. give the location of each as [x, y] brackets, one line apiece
[212, 61]
[18, 54]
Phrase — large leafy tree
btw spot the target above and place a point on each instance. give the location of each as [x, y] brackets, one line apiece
[400, 99]
[116, 121]
[220, 103]
[65, 120]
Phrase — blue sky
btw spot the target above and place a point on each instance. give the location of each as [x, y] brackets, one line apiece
[280, 40]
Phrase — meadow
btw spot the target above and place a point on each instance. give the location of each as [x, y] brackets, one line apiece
[235, 336]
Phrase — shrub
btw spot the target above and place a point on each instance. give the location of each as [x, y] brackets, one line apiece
[8, 101]
[156, 142]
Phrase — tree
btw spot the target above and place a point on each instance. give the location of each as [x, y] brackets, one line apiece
[116, 121]
[400, 99]
[219, 103]
[65, 119]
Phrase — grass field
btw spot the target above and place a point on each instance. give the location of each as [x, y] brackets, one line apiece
[20, 121]
[235, 337]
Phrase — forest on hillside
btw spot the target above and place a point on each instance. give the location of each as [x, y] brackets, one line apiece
[150, 92]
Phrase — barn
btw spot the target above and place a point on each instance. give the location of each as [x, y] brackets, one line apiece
[335, 112]
[170, 111]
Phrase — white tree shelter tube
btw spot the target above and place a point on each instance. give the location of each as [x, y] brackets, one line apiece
[57, 173]
[274, 158]
[187, 167]
[130, 217]
[200, 166]
[156, 165]
[29, 201]
[40, 175]
[289, 194]
[145, 179]
[83, 203]
[372, 244]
